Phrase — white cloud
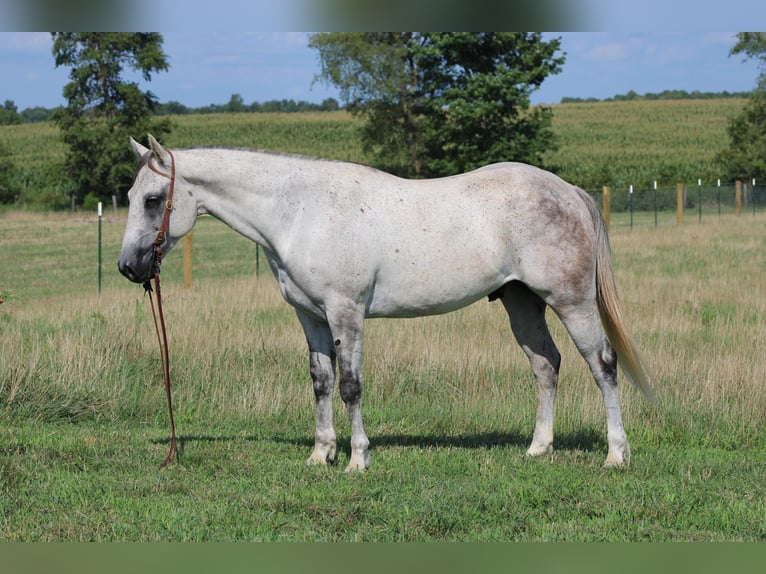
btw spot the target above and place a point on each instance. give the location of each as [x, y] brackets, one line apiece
[610, 52]
[31, 42]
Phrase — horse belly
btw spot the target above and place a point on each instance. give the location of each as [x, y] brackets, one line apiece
[418, 291]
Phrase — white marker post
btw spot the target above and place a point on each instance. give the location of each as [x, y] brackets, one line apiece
[718, 197]
[99, 248]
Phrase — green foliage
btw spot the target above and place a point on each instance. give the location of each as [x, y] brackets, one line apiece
[36, 114]
[8, 187]
[746, 155]
[103, 109]
[8, 114]
[442, 103]
[752, 45]
[663, 95]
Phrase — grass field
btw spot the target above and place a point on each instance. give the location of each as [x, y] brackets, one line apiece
[449, 404]
[449, 401]
[636, 143]
[618, 144]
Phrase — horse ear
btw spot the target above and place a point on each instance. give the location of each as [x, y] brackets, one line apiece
[138, 149]
[157, 148]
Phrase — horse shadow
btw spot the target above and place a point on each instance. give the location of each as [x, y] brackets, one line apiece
[586, 440]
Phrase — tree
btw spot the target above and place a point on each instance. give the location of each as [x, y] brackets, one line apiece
[103, 109]
[236, 104]
[442, 103]
[8, 188]
[9, 114]
[745, 157]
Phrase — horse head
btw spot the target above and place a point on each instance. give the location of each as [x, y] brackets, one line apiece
[162, 210]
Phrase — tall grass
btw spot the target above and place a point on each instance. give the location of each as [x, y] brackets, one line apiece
[636, 143]
[694, 294]
[449, 404]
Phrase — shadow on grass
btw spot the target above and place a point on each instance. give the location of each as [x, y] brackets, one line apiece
[588, 440]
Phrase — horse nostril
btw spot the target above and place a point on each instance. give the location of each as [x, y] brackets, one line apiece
[126, 270]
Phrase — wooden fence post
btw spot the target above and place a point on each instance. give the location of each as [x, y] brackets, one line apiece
[679, 203]
[607, 206]
[738, 197]
[188, 256]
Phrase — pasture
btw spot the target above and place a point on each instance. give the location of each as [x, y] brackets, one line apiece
[449, 404]
[605, 143]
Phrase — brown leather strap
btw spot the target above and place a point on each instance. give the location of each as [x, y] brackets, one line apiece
[162, 340]
[165, 225]
[162, 337]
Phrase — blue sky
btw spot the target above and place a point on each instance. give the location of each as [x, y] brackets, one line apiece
[208, 67]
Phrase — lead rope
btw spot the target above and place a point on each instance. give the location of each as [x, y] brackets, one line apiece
[165, 360]
[160, 328]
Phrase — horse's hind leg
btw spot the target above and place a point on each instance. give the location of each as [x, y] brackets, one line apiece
[322, 366]
[584, 327]
[527, 316]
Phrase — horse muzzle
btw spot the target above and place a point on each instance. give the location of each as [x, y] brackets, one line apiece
[137, 269]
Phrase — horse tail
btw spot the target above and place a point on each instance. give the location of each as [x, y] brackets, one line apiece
[611, 311]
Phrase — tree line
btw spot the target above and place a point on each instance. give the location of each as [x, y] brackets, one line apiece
[663, 95]
[9, 114]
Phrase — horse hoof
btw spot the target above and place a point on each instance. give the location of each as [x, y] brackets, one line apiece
[358, 463]
[540, 450]
[321, 457]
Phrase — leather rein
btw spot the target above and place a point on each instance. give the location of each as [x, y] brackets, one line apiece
[160, 328]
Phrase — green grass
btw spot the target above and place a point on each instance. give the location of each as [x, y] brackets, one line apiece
[636, 143]
[449, 401]
[604, 143]
[101, 482]
[449, 404]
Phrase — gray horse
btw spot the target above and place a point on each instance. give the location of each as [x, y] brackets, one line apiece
[347, 242]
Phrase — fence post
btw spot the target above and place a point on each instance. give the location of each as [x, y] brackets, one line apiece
[718, 195]
[679, 203]
[99, 247]
[752, 196]
[188, 256]
[607, 206]
[738, 197]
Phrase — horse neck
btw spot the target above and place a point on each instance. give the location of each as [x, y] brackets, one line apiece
[246, 190]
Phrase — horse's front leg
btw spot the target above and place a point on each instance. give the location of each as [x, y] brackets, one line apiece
[347, 327]
[322, 367]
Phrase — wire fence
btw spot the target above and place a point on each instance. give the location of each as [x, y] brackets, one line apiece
[673, 206]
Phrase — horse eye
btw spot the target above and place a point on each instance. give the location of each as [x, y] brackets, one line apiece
[151, 202]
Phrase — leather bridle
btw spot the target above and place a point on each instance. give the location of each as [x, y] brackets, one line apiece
[160, 328]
